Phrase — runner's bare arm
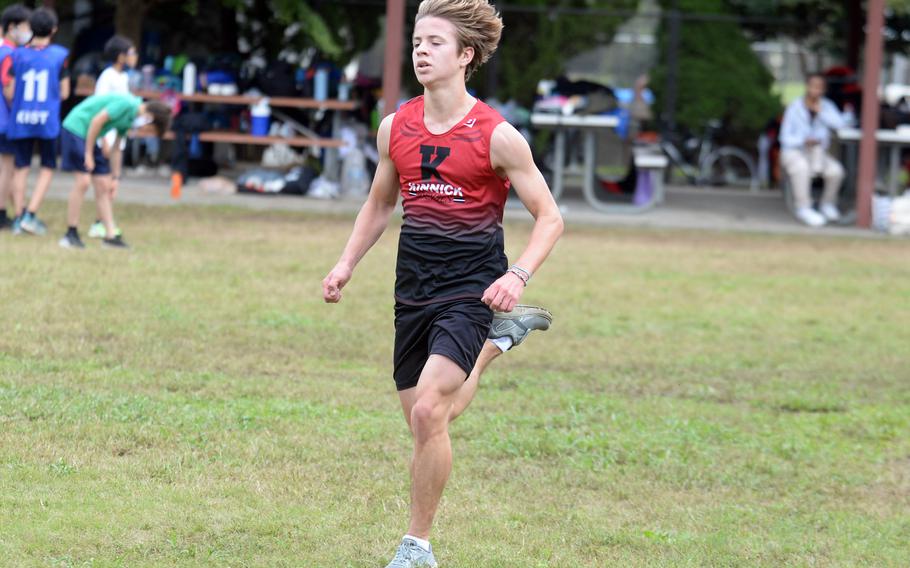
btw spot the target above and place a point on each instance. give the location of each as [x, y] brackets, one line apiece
[511, 157]
[9, 90]
[64, 88]
[371, 221]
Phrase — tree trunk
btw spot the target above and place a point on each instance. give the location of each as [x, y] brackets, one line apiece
[228, 30]
[855, 19]
[130, 17]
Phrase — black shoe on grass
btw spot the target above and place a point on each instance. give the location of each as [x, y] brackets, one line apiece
[115, 242]
[71, 240]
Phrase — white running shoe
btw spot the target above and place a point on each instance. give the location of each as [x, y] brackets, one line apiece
[97, 230]
[33, 225]
[830, 212]
[410, 555]
[71, 241]
[810, 217]
[518, 323]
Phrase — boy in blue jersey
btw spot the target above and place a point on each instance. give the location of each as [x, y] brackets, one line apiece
[38, 84]
[16, 32]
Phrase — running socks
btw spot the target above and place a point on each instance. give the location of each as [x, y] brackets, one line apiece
[424, 544]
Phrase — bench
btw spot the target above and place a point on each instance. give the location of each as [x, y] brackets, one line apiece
[649, 187]
[234, 137]
[650, 168]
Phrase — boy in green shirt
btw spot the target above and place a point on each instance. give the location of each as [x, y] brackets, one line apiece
[99, 165]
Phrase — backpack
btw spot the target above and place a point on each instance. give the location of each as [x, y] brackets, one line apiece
[277, 80]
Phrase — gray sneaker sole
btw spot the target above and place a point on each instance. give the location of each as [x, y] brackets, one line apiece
[65, 243]
[33, 229]
[519, 323]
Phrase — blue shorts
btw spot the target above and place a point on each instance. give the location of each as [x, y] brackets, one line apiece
[24, 147]
[6, 146]
[72, 155]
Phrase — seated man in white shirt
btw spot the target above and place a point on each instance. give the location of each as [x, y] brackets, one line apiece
[805, 135]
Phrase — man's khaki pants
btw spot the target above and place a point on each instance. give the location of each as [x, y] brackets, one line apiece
[802, 165]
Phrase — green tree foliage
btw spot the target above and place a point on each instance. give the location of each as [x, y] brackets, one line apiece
[827, 25]
[718, 77]
[536, 44]
[336, 30]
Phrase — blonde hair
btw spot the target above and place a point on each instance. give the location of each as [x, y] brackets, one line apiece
[477, 24]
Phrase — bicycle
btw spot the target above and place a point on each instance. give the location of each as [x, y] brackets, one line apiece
[715, 166]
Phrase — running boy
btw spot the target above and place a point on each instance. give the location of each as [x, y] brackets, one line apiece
[452, 159]
[16, 32]
[38, 85]
[88, 122]
[122, 54]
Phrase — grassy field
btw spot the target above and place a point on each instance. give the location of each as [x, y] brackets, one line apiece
[701, 400]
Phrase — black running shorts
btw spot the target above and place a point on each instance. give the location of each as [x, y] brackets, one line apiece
[455, 329]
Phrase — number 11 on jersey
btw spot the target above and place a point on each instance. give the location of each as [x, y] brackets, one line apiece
[35, 83]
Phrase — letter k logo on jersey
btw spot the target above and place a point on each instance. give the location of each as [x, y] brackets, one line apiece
[428, 165]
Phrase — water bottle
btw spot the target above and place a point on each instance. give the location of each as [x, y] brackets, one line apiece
[189, 78]
[134, 80]
[148, 76]
[344, 91]
[321, 84]
[261, 114]
[354, 176]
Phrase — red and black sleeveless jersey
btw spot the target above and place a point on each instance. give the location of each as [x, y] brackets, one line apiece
[451, 244]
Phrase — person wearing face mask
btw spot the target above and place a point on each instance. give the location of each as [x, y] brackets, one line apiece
[88, 122]
[16, 32]
[39, 83]
[122, 54]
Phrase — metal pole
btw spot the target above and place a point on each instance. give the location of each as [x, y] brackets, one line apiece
[865, 182]
[394, 36]
[669, 102]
